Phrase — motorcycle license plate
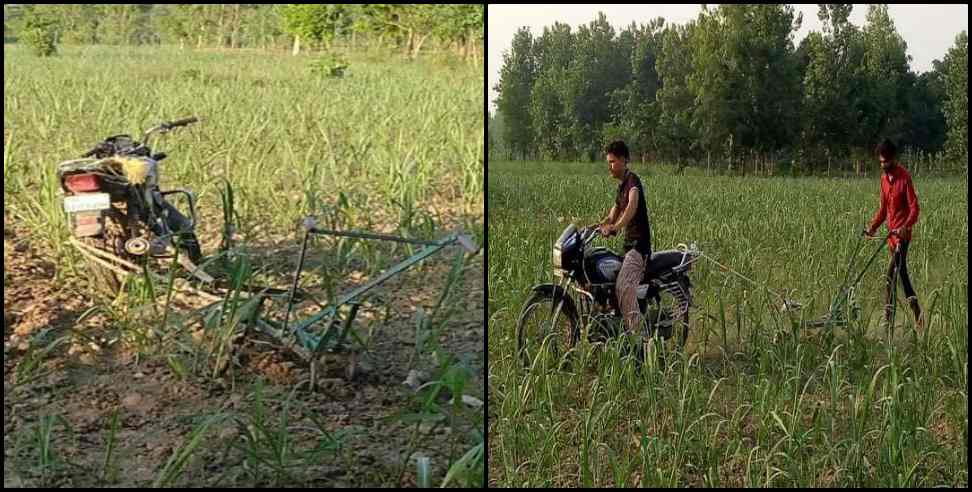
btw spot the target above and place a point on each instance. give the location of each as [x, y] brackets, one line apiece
[87, 203]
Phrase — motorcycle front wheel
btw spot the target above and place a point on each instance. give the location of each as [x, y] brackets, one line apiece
[538, 331]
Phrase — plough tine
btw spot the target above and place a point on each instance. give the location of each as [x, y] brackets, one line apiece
[331, 314]
[195, 270]
[347, 323]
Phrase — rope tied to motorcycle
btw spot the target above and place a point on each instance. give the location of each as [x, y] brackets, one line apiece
[791, 304]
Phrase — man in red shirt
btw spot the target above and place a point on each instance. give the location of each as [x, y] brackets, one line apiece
[899, 207]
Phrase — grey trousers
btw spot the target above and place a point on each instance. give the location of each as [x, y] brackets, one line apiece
[632, 271]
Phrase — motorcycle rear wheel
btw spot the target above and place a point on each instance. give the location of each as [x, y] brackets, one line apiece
[104, 280]
[673, 337]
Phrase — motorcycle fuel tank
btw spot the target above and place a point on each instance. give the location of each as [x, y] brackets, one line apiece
[602, 266]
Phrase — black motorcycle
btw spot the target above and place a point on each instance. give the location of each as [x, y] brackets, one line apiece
[584, 297]
[118, 214]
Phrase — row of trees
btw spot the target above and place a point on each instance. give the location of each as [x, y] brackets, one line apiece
[459, 28]
[728, 86]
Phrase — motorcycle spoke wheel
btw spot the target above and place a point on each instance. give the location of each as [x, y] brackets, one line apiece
[538, 332]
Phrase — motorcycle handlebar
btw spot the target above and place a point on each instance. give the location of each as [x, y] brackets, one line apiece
[166, 127]
[588, 234]
[161, 128]
[182, 122]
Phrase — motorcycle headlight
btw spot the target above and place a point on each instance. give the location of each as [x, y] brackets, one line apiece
[557, 262]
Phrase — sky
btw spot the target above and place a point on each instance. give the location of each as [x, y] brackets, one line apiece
[929, 30]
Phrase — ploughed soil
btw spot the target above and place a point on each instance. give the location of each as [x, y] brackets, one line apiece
[71, 372]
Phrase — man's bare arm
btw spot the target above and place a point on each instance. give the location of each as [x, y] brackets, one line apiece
[611, 216]
[629, 211]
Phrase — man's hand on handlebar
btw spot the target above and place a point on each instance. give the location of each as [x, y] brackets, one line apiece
[869, 234]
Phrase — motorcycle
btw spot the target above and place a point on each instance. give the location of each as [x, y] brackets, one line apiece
[585, 297]
[118, 214]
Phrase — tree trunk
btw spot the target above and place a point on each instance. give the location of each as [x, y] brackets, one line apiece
[296, 50]
[235, 40]
[731, 154]
[418, 46]
[220, 27]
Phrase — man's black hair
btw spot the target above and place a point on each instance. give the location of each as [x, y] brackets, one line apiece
[619, 149]
[887, 149]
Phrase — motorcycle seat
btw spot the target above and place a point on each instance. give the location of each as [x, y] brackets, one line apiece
[661, 262]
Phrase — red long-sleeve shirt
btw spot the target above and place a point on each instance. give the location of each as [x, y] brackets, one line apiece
[899, 204]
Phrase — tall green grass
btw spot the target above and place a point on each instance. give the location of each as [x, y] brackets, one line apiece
[388, 134]
[755, 400]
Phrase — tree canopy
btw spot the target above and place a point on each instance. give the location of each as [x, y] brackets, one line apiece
[730, 86]
[458, 28]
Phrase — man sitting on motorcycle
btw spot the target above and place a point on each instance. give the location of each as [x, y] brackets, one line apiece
[629, 214]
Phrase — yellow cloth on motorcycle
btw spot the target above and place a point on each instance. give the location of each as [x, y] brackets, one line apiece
[135, 170]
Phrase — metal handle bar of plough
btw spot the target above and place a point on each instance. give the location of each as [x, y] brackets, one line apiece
[883, 241]
[845, 288]
[313, 342]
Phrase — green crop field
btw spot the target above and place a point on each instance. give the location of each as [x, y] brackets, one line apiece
[754, 400]
[392, 136]
[139, 391]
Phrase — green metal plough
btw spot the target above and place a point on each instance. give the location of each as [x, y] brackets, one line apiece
[331, 327]
[845, 298]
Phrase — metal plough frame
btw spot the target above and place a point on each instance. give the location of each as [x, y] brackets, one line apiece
[834, 316]
[310, 345]
[331, 316]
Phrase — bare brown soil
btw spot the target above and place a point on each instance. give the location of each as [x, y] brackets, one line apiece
[85, 381]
